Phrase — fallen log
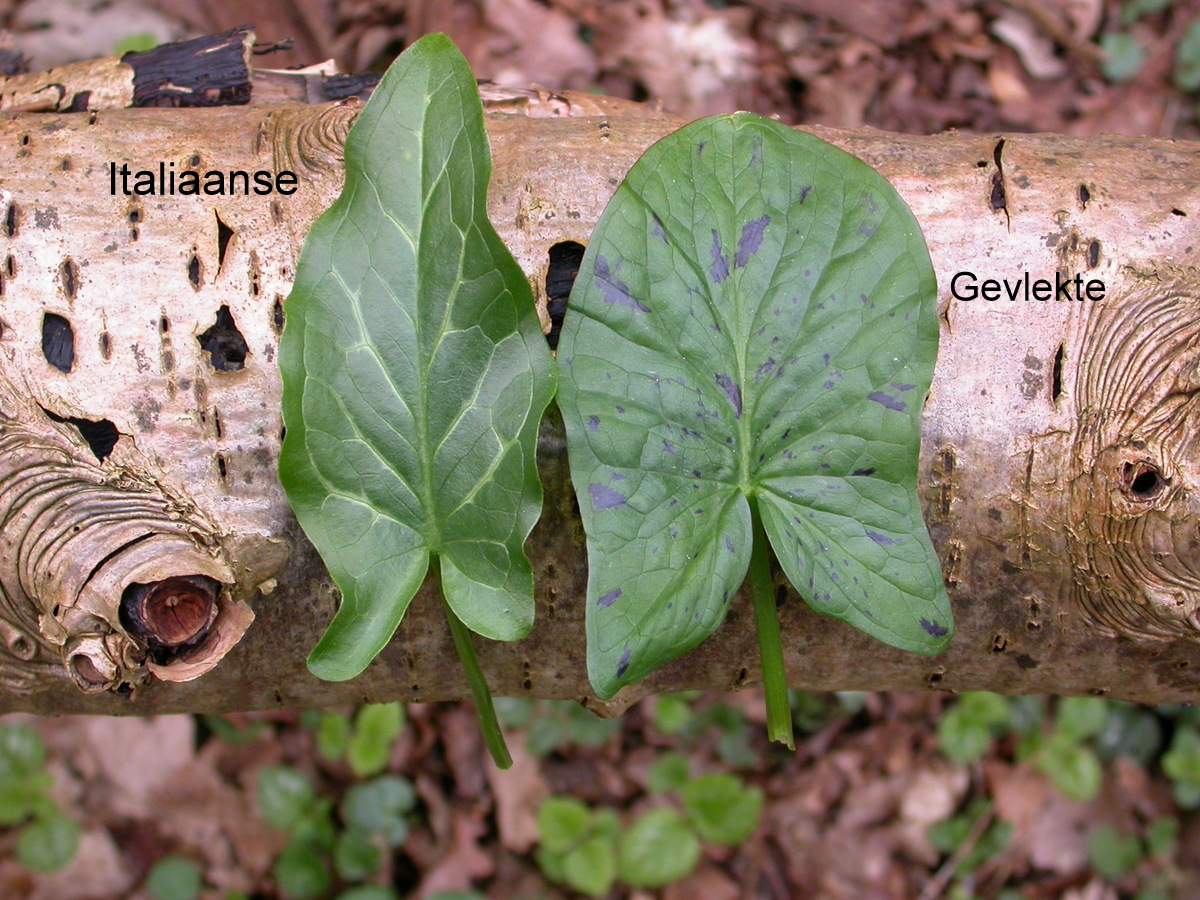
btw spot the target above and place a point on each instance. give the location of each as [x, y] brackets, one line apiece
[140, 426]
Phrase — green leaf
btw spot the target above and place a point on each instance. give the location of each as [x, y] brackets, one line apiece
[174, 878]
[1181, 762]
[284, 796]
[1123, 56]
[22, 798]
[333, 735]
[591, 868]
[670, 772]
[562, 823]
[380, 806]
[355, 856]
[415, 373]
[723, 809]
[1113, 854]
[48, 843]
[1161, 835]
[659, 848]
[1074, 770]
[1081, 717]
[22, 751]
[755, 318]
[966, 731]
[1187, 59]
[376, 727]
[302, 871]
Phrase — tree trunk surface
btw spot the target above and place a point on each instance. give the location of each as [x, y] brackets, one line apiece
[1058, 471]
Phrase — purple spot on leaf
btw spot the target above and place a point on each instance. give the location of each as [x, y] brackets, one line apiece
[888, 401]
[905, 387]
[750, 241]
[881, 540]
[933, 629]
[609, 599]
[614, 290]
[620, 409]
[720, 267]
[604, 497]
[804, 196]
[668, 447]
[593, 423]
[765, 369]
[862, 472]
[733, 393]
[728, 544]
[623, 662]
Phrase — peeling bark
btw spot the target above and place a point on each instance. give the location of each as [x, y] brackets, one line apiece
[1058, 465]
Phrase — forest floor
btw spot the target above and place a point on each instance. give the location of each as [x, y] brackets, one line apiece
[887, 797]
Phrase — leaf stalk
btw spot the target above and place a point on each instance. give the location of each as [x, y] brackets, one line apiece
[770, 643]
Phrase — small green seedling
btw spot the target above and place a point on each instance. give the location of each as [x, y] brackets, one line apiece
[588, 850]
[415, 374]
[371, 819]
[47, 839]
[744, 360]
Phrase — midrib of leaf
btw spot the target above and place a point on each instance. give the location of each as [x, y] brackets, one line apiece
[429, 451]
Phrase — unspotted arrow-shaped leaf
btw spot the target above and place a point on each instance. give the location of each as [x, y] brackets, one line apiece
[415, 374]
[753, 332]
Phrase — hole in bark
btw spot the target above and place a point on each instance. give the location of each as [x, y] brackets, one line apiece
[135, 216]
[224, 343]
[934, 678]
[105, 343]
[255, 280]
[86, 670]
[1143, 480]
[276, 212]
[69, 275]
[224, 236]
[221, 470]
[1178, 212]
[164, 324]
[1093, 254]
[195, 273]
[999, 642]
[101, 436]
[93, 118]
[1033, 625]
[216, 422]
[1, 284]
[10, 266]
[170, 615]
[194, 160]
[24, 140]
[277, 314]
[1056, 376]
[10, 221]
[58, 342]
[565, 258]
[1099, 692]
[21, 647]
[982, 164]
[998, 200]
[1084, 194]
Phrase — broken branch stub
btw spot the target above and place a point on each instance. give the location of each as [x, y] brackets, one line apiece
[114, 578]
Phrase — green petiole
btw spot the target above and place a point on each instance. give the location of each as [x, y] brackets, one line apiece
[770, 644]
[493, 737]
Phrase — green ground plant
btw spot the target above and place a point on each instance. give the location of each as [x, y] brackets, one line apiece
[46, 838]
